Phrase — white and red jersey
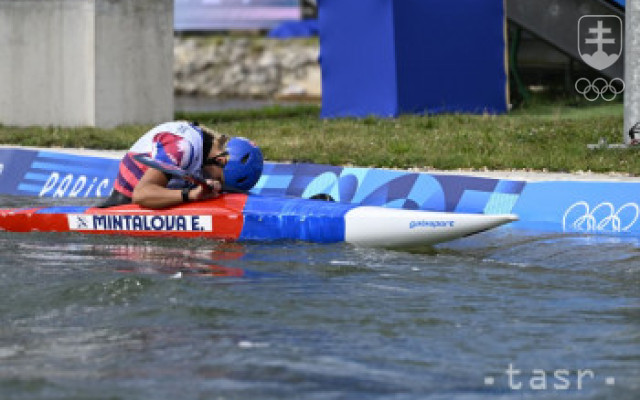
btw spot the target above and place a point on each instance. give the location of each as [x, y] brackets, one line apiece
[177, 143]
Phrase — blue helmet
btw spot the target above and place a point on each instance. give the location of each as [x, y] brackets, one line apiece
[244, 165]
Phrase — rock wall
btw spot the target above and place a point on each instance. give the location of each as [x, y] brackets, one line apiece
[247, 67]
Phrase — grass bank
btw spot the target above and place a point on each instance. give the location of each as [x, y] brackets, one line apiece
[550, 137]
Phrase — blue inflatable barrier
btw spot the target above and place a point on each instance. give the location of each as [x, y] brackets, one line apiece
[558, 206]
[586, 207]
[42, 173]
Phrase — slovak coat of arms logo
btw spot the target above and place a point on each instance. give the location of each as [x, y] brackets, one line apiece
[600, 40]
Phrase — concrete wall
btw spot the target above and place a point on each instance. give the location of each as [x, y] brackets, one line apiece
[46, 62]
[86, 62]
[134, 61]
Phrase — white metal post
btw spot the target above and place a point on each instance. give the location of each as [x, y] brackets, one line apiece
[632, 72]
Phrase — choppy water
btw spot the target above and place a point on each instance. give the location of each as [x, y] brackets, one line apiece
[85, 317]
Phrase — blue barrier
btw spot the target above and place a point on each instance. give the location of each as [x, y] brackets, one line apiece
[295, 29]
[557, 206]
[386, 57]
[396, 189]
[25, 172]
[589, 207]
[53, 174]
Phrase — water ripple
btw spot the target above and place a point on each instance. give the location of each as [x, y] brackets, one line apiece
[100, 317]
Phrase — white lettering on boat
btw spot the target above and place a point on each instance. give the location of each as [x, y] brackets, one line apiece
[431, 224]
[146, 223]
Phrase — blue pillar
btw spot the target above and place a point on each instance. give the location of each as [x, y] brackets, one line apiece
[386, 57]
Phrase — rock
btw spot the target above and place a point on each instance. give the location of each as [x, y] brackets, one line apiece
[268, 60]
[239, 67]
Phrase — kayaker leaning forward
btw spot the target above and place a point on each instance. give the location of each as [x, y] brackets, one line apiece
[226, 163]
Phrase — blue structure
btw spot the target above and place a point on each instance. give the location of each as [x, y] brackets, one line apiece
[386, 57]
[43, 173]
[610, 208]
[295, 29]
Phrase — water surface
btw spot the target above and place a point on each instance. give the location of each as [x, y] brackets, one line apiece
[500, 315]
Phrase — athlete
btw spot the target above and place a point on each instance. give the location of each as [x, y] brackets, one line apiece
[225, 163]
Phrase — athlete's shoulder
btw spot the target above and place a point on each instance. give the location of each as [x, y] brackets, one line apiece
[177, 142]
[182, 128]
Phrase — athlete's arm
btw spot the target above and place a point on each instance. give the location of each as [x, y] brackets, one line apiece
[151, 191]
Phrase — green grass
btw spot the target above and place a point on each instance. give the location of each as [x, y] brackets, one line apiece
[547, 136]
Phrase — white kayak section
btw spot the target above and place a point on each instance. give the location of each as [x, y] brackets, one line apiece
[388, 227]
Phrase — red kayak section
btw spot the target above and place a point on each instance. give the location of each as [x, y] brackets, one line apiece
[219, 218]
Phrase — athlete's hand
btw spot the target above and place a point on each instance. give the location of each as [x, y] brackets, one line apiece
[213, 189]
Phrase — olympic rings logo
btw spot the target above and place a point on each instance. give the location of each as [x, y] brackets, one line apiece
[600, 88]
[603, 217]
